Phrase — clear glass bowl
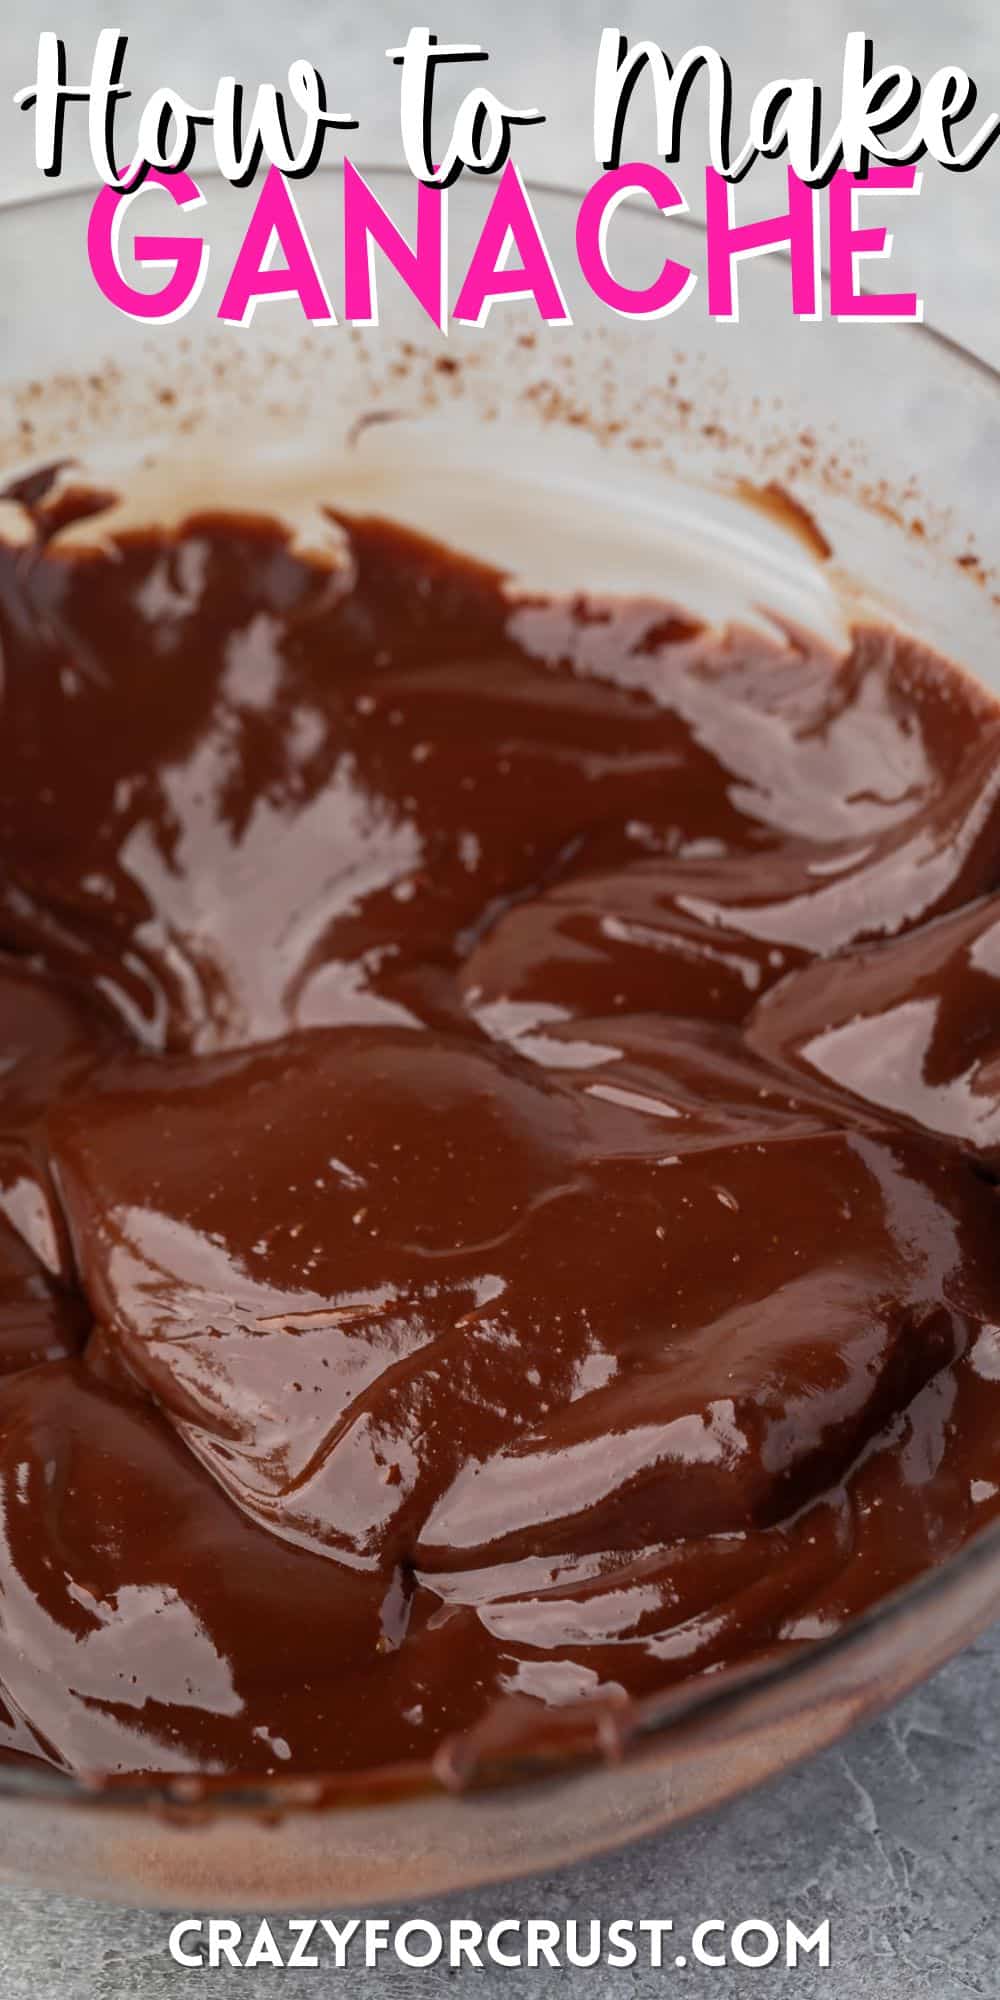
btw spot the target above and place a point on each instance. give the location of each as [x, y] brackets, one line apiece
[606, 453]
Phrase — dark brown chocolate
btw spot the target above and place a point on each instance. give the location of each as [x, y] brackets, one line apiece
[498, 1109]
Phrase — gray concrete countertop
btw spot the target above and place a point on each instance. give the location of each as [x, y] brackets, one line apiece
[893, 1835]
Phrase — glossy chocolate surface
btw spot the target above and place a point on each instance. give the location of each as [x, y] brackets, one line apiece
[498, 1110]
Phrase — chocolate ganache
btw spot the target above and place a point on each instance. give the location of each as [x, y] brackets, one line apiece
[499, 1101]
